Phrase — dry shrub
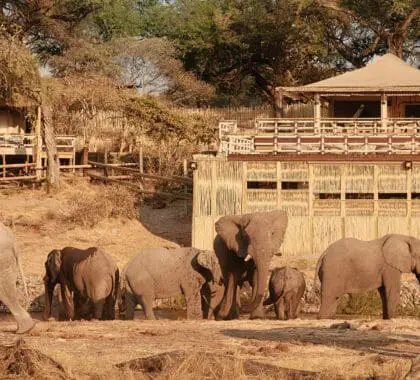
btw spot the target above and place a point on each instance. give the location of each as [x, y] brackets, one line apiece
[20, 362]
[204, 365]
[87, 209]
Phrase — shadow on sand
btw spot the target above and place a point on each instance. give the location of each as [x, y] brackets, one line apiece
[373, 341]
[171, 222]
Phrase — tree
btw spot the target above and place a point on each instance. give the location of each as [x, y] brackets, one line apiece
[246, 47]
[360, 29]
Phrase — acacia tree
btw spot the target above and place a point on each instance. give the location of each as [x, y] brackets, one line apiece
[357, 30]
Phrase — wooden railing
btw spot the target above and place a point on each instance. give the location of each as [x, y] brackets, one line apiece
[328, 135]
[63, 143]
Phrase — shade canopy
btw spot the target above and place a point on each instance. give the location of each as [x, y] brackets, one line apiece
[386, 74]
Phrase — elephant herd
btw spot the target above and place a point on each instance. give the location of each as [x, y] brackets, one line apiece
[91, 285]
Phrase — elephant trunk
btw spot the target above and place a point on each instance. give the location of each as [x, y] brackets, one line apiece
[262, 273]
[228, 299]
[49, 290]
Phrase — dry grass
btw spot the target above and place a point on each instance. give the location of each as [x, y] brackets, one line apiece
[87, 209]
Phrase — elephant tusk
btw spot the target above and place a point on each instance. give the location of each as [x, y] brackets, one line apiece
[248, 257]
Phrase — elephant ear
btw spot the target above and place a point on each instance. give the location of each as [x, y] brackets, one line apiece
[397, 254]
[53, 264]
[230, 229]
[208, 260]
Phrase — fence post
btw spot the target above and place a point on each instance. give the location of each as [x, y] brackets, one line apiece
[141, 169]
[85, 155]
[106, 162]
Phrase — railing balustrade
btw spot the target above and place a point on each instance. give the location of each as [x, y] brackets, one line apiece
[328, 135]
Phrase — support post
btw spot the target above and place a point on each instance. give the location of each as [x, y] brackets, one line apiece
[38, 145]
[384, 112]
[85, 155]
[317, 113]
[279, 103]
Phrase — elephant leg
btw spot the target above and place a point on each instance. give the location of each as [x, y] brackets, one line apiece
[130, 304]
[9, 296]
[382, 293]
[391, 285]
[98, 309]
[193, 299]
[68, 301]
[146, 302]
[295, 307]
[329, 303]
[109, 308]
[279, 308]
[258, 312]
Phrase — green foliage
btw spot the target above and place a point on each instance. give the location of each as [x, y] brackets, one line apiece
[117, 18]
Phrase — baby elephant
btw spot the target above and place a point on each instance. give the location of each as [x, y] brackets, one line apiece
[164, 273]
[286, 287]
[89, 279]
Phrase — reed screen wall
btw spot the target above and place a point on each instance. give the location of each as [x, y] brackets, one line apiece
[325, 201]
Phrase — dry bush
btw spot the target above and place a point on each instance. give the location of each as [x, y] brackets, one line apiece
[88, 209]
[20, 362]
[205, 365]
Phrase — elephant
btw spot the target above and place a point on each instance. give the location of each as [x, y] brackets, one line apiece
[244, 246]
[353, 266]
[168, 272]
[9, 267]
[89, 279]
[287, 286]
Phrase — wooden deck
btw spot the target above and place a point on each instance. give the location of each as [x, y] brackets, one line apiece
[324, 136]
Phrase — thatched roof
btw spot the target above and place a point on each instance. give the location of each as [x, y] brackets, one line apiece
[386, 74]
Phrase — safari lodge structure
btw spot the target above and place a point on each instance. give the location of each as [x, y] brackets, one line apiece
[350, 170]
[22, 151]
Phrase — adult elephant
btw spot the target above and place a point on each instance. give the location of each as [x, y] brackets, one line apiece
[87, 278]
[9, 267]
[354, 266]
[244, 246]
[168, 272]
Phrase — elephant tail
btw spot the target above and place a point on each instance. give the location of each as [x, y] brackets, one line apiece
[22, 275]
[317, 281]
[117, 288]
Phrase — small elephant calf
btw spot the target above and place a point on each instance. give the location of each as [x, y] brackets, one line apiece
[286, 286]
[88, 279]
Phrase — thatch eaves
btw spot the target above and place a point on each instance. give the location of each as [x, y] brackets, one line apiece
[386, 74]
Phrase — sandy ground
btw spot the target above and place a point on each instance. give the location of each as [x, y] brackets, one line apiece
[366, 348]
[369, 348]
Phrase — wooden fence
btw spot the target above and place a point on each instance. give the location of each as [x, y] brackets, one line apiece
[135, 179]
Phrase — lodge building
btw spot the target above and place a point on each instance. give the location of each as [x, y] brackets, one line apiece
[352, 169]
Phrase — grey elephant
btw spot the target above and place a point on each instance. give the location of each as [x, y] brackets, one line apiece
[245, 245]
[89, 279]
[287, 286]
[354, 266]
[168, 272]
[9, 267]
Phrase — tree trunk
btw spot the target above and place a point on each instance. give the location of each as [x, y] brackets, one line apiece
[53, 168]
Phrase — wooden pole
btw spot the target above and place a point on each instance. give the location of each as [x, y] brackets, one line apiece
[105, 162]
[38, 145]
[384, 112]
[85, 155]
[317, 113]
